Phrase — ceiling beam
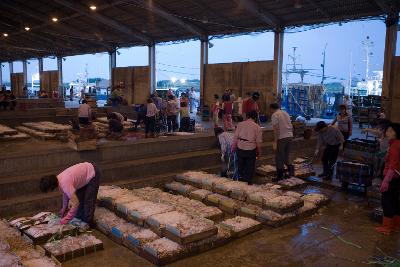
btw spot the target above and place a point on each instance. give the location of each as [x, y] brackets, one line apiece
[45, 18]
[320, 9]
[263, 15]
[84, 10]
[385, 7]
[167, 15]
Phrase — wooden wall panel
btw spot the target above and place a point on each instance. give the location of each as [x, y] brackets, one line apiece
[124, 76]
[141, 80]
[395, 91]
[48, 81]
[17, 84]
[241, 78]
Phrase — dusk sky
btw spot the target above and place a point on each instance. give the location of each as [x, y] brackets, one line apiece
[181, 60]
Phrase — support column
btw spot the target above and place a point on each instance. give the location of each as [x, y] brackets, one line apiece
[278, 62]
[112, 64]
[152, 65]
[11, 67]
[40, 62]
[390, 53]
[203, 64]
[25, 71]
[61, 90]
[1, 74]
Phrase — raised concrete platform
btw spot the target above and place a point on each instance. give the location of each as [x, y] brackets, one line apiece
[134, 164]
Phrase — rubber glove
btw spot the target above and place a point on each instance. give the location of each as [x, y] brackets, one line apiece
[386, 181]
[64, 206]
[69, 216]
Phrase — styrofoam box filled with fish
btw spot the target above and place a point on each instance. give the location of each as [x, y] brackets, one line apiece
[71, 247]
[162, 251]
[240, 226]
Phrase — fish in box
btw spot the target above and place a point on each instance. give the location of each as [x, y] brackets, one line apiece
[292, 183]
[9, 259]
[283, 204]
[73, 246]
[215, 199]
[208, 212]
[106, 220]
[191, 230]
[158, 222]
[174, 186]
[227, 187]
[229, 205]
[259, 198]
[137, 240]
[249, 210]
[299, 160]
[211, 182]
[317, 199]
[275, 219]
[39, 262]
[292, 194]
[142, 212]
[42, 232]
[241, 226]
[309, 208]
[200, 194]
[162, 251]
[121, 231]
[266, 170]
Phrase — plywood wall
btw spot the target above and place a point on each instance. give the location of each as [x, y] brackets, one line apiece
[135, 83]
[241, 77]
[17, 84]
[395, 91]
[49, 81]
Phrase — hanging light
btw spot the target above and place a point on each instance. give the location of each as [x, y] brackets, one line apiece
[5, 34]
[27, 28]
[93, 7]
[298, 4]
[54, 19]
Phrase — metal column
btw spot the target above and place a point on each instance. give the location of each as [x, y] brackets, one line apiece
[61, 90]
[203, 63]
[11, 67]
[152, 65]
[112, 64]
[40, 62]
[278, 62]
[390, 52]
[1, 74]
[25, 71]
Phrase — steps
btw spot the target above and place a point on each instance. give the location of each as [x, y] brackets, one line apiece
[142, 163]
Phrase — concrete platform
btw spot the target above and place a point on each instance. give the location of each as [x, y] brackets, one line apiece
[138, 163]
[302, 243]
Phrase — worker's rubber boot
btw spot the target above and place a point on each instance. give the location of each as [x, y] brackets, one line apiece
[387, 226]
[396, 226]
[291, 170]
[279, 175]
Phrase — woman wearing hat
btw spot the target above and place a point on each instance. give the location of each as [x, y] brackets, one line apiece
[330, 139]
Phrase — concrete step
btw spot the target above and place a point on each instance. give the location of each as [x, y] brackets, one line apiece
[113, 171]
[29, 204]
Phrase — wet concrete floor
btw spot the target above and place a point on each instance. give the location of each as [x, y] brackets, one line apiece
[302, 243]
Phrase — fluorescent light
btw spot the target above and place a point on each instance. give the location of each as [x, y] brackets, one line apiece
[54, 19]
[93, 7]
[5, 34]
[27, 28]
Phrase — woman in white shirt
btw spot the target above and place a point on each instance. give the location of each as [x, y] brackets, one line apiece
[345, 123]
[150, 123]
[84, 113]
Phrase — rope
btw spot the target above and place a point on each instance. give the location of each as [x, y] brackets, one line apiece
[340, 238]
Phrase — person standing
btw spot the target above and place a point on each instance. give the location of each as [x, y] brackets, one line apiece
[215, 109]
[84, 113]
[227, 108]
[225, 140]
[330, 139]
[349, 105]
[191, 99]
[150, 123]
[252, 105]
[283, 136]
[172, 111]
[247, 143]
[390, 186]
[79, 185]
[71, 93]
[345, 123]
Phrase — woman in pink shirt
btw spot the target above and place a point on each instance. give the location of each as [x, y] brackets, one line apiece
[79, 185]
[227, 107]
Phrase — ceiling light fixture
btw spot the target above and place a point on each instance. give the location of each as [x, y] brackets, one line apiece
[54, 19]
[298, 4]
[27, 28]
[93, 7]
[5, 34]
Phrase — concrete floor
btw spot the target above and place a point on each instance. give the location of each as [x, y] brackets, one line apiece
[302, 243]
